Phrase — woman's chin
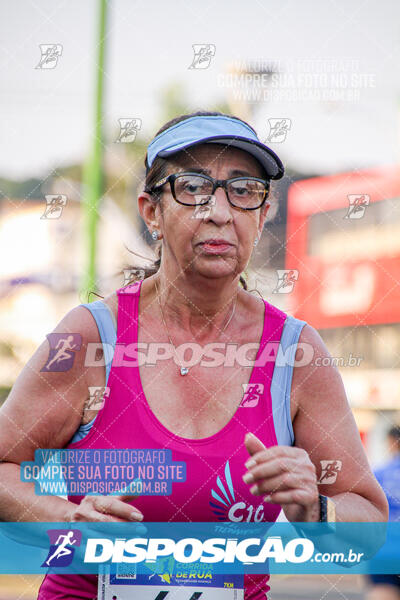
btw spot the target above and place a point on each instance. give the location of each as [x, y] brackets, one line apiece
[214, 269]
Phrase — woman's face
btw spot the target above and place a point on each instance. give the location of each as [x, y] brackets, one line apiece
[185, 229]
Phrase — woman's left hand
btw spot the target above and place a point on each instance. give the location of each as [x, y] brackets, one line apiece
[286, 475]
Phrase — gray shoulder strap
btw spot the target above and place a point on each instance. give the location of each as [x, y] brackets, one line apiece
[282, 381]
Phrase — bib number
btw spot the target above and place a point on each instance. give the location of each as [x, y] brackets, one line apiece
[182, 585]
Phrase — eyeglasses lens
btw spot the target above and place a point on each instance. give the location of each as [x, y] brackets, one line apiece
[195, 189]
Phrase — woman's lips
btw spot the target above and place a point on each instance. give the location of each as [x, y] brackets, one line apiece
[215, 246]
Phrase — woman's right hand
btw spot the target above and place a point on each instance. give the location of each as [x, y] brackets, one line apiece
[105, 509]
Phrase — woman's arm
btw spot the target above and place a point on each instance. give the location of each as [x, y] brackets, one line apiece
[43, 410]
[324, 429]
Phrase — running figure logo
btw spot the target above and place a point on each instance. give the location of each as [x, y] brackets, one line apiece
[128, 129]
[203, 211]
[97, 397]
[62, 351]
[203, 54]
[50, 54]
[252, 393]
[131, 273]
[286, 280]
[278, 129]
[60, 554]
[329, 471]
[163, 568]
[357, 205]
[54, 206]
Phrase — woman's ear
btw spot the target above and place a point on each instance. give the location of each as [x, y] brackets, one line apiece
[149, 210]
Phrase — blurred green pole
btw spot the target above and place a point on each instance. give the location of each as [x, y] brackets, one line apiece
[93, 173]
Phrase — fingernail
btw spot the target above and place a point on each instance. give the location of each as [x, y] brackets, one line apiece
[267, 499]
[250, 463]
[254, 489]
[248, 478]
[136, 516]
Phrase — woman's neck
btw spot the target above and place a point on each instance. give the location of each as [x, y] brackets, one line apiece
[203, 308]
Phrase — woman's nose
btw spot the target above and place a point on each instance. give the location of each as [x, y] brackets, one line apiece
[221, 209]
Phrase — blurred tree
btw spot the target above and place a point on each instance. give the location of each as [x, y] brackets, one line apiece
[28, 188]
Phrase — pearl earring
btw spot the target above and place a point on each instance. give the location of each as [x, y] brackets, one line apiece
[154, 235]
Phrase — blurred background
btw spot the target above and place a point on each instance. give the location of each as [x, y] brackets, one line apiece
[85, 87]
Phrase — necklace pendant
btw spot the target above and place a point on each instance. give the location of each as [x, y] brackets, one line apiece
[184, 370]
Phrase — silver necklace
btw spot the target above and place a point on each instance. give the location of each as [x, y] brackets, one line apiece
[185, 370]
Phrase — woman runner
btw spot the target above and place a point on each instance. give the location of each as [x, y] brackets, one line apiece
[252, 430]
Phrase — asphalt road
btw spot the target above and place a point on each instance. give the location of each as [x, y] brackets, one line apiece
[317, 587]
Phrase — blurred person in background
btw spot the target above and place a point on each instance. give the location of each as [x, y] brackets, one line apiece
[387, 587]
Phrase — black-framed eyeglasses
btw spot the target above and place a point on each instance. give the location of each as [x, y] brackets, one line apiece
[193, 189]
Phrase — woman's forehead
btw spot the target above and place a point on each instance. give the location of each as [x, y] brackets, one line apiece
[209, 157]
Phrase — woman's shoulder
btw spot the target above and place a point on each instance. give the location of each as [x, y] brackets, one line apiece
[314, 369]
[112, 302]
[80, 319]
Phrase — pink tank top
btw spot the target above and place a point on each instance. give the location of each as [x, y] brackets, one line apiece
[214, 489]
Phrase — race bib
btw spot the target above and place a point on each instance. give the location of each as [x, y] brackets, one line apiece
[168, 580]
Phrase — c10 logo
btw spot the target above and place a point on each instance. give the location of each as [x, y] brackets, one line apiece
[237, 512]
